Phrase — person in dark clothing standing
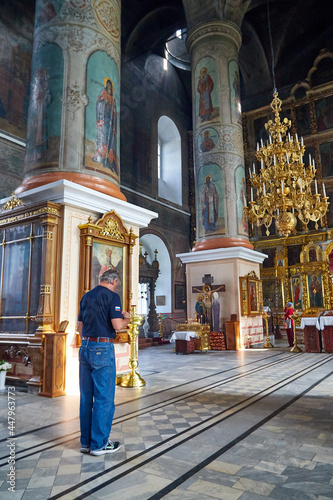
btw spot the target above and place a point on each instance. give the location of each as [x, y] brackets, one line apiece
[100, 316]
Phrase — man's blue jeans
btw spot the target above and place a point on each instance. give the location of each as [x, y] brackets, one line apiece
[97, 388]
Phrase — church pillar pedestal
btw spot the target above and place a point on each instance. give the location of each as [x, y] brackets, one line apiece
[225, 266]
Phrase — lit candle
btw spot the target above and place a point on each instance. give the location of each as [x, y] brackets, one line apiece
[254, 169]
[302, 142]
[257, 146]
[314, 165]
[262, 163]
[300, 184]
[264, 189]
[316, 187]
[310, 160]
[282, 186]
[250, 173]
[289, 138]
[280, 139]
[324, 190]
[287, 158]
[278, 211]
[270, 139]
[262, 143]
[251, 193]
[293, 210]
[301, 158]
[296, 137]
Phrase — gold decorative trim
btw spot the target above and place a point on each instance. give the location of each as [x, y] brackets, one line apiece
[12, 203]
[43, 210]
[111, 229]
[48, 235]
[45, 288]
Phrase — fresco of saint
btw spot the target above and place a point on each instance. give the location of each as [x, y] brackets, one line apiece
[106, 128]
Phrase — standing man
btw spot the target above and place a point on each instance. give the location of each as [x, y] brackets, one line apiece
[99, 317]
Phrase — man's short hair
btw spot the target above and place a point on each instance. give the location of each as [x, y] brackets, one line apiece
[109, 276]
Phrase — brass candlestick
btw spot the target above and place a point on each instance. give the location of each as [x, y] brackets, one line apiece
[268, 342]
[295, 348]
[160, 331]
[133, 379]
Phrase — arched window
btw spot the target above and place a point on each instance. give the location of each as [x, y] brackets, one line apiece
[169, 161]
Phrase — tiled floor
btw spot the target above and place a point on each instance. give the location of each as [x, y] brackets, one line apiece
[246, 425]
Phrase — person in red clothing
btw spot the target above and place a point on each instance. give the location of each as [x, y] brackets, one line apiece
[288, 312]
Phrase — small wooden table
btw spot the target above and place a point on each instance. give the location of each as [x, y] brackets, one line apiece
[185, 341]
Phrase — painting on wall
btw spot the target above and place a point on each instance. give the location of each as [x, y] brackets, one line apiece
[296, 292]
[324, 113]
[102, 116]
[211, 207]
[107, 256]
[326, 158]
[234, 83]
[241, 200]
[273, 290]
[16, 35]
[303, 121]
[315, 290]
[254, 306]
[270, 260]
[45, 111]
[206, 83]
[180, 296]
[294, 252]
[207, 140]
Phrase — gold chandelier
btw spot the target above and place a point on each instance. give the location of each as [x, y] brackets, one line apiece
[282, 187]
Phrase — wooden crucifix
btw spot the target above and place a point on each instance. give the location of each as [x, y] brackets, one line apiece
[207, 311]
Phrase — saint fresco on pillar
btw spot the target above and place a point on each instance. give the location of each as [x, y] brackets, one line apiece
[211, 206]
[234, 82]
[45, 110]
[207, 140]
[102, 120]
[241, 200]
[207, 108]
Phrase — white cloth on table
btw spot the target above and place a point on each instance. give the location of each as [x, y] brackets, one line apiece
[325, 321]
[309, 322]
[183, 336]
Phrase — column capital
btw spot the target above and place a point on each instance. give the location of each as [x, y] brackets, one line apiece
[222, 31]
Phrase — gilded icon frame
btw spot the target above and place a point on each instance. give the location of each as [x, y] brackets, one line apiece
[105, 245]
[251, 295]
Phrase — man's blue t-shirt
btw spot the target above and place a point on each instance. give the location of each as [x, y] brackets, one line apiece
[97, 308]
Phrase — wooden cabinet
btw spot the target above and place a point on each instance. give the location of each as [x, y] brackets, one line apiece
[232, 335]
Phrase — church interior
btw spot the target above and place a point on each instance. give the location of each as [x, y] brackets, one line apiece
[188, 145]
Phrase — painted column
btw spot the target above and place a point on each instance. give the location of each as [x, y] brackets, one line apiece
[73, 121]
[217, 136]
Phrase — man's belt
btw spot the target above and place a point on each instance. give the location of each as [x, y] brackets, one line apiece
[98, 339]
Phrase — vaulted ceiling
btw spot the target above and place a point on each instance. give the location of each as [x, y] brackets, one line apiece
[299, 30]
